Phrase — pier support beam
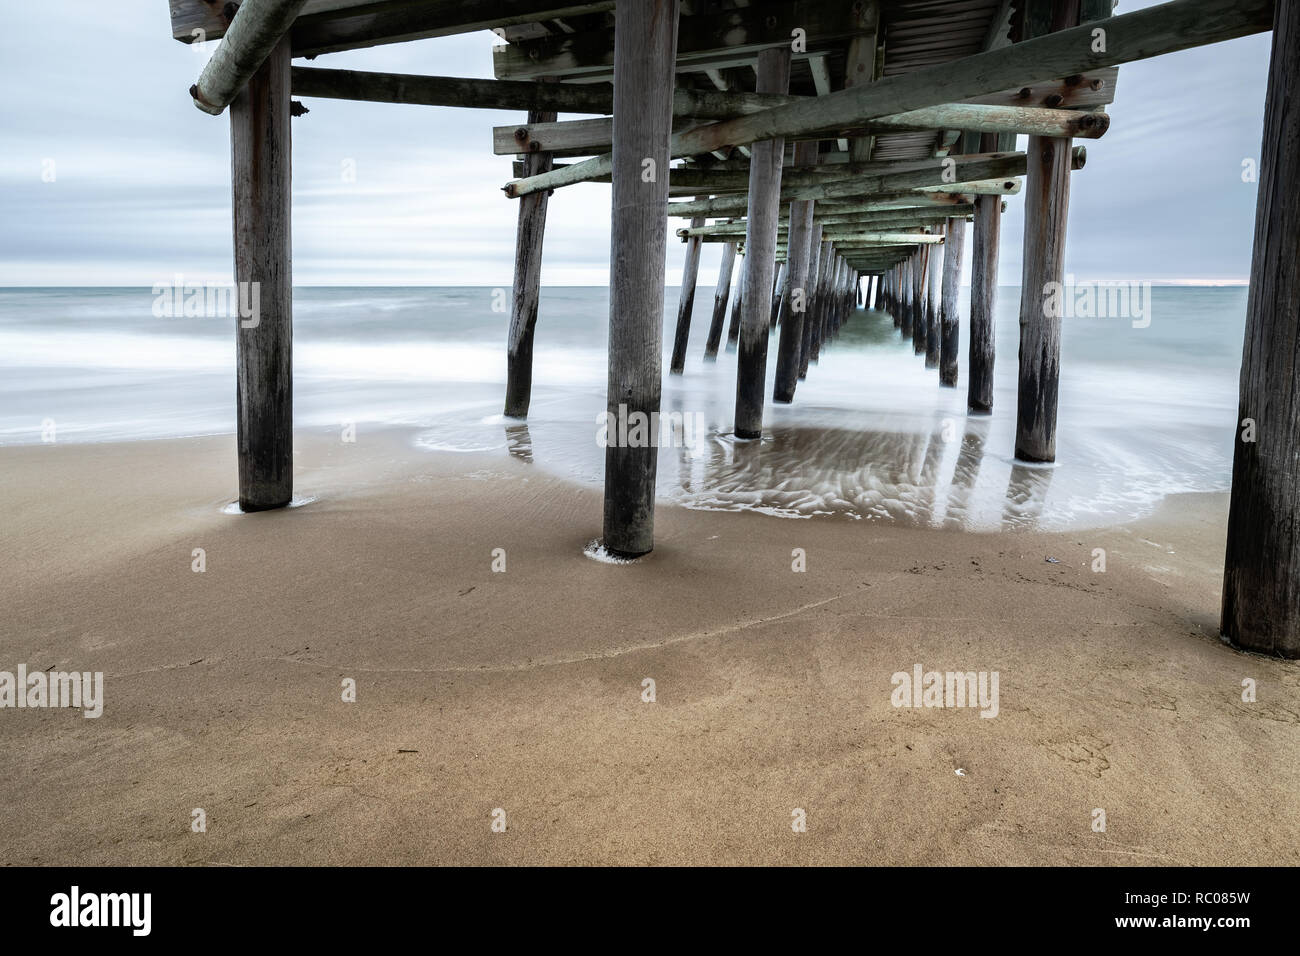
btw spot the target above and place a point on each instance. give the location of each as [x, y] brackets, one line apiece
[760, 250]
[933, 277]
[733, 326]
[645, 54]
[908, 295]
[920, 272]
[1261, 576]
[260, 185]
[721, 293]
[782, 276]
[949, 318]
[983, 300]
[527, 283]
[794, 308]
[686, 299]
[1047, 202]
[817, 252]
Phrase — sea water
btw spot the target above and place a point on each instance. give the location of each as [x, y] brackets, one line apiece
[1144, 411]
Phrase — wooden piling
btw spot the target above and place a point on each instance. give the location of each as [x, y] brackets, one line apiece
[1261, 577]
[920, 323]
[817, 251]
[529, 236]
[983, 301]
[721, 293]
[949, 318]
[782, 275]
[907, 267]
[825, 270]
[645, 54]
[686, 300]
[794, 308]
[261, 173]
[1047, 200]
[733, 326]
[773, 70]
[932, 279]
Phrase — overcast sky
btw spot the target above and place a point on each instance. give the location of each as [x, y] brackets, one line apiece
[141, 179]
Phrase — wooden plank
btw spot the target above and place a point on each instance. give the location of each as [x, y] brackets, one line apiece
[261, 174]
[706, 41]
[529, 236]
[760, 245]
[1261, 575]
[644, 48]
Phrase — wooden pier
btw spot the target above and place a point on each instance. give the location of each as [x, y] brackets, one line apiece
[825, 145]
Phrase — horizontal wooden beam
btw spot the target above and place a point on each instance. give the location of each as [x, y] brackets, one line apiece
[1145, 33]
[519, 95]
[890, 217]
[983, 166]
[1088, 90]
[884, 202]
[596, 135]
[983, 187]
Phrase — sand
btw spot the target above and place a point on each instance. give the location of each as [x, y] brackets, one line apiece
[522, 690]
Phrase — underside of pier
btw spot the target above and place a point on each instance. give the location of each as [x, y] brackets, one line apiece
[826, 145]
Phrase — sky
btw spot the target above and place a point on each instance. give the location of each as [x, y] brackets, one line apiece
[110, 176]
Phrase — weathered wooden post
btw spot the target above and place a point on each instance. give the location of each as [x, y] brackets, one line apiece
[1047, 201]
[817, 251]
[527, 282]
[907, 295]
[825, 270]
[983, 296]
[760, 250]
[795, 298]
[782, 275]
[261, 171]
[720, 296]
[1261, 576]
[932, 280]
[920, 322]
[686, 298]
[733, 326]
[645, 57]
[949, 318]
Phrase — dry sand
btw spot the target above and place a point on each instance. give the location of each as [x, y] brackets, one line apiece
[522, 691]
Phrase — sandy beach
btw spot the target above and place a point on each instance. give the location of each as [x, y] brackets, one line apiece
[522, 691]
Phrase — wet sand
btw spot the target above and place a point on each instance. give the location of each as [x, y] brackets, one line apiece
[522, 690]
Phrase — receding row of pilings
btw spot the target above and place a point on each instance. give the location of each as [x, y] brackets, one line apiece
[1261, 595]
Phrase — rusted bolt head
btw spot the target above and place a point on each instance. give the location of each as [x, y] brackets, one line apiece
[521, 134]
[1056, 99]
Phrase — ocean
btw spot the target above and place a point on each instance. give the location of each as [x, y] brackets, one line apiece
[1144, 411]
